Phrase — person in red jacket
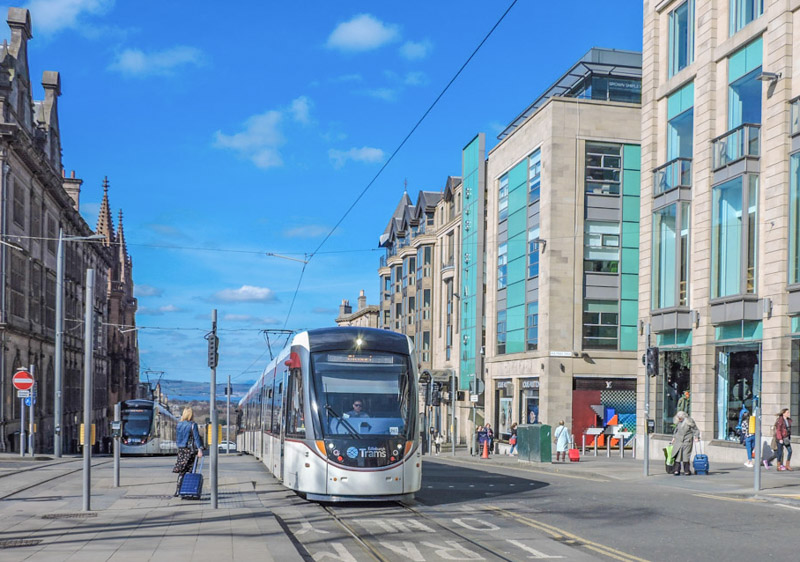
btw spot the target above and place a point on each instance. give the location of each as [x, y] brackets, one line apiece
[783, 436]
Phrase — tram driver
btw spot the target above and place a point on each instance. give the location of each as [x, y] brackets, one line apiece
[358, 410]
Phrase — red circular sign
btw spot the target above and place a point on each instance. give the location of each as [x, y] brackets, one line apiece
[22, 380]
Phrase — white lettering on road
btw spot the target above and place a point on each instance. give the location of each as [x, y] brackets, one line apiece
[454, 551]
[396, 525]
[340, 554]
[407, 549]
[483, 525]
[532, 551]
[305, 527]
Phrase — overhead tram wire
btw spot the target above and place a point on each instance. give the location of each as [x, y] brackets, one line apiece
[396, 150]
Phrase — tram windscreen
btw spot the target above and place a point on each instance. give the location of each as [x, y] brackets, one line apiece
[363, 394]
[136, 422]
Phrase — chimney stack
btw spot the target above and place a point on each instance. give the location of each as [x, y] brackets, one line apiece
[345, 308]
[362, 300]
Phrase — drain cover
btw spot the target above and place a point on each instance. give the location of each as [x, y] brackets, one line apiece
[14, 543]
[78, 515]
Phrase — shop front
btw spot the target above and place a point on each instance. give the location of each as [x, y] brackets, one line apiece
[503, 399]
[529, 401]
[738, 381]
[673, 387]
[600, 402]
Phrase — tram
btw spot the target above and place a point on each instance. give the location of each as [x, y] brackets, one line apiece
[148, 428]
[301, 420]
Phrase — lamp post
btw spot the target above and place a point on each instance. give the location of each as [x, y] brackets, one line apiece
[58, 405]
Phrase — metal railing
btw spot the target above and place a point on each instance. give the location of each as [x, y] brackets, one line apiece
[675, 173]
[794, 125]
[744, 140]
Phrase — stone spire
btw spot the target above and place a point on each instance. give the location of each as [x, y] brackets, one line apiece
[122, 251]
[105, 225]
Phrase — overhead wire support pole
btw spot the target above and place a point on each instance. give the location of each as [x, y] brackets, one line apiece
[213, 444]
[88, 342]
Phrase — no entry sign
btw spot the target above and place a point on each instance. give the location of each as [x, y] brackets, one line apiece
[22, 380]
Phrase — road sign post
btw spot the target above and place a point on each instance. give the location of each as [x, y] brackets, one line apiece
[22, 381]
[30, 402]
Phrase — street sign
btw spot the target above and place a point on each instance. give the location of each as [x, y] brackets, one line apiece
[23, 393]
[28, 400]
[473, 397]
[22, 380]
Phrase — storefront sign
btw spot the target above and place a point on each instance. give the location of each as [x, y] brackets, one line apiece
[560, 354]
[530, 383]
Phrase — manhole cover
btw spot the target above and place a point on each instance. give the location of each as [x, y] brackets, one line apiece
[79, 515]
[15, 543]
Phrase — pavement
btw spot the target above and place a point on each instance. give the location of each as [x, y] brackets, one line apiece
[43, 519]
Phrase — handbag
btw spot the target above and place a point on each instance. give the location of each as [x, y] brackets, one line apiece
[513, 440]
[773, 444]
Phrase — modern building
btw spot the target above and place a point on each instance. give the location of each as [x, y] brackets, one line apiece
[561, 245]
[365, 315]
[720, 216]
[38, 202]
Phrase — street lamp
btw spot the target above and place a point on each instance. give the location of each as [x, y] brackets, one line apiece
[57, 407]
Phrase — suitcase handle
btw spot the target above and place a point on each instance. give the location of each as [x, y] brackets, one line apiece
[198, 467]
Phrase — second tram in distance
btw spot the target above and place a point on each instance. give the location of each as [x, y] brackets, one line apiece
[334, 416]
[148, 428]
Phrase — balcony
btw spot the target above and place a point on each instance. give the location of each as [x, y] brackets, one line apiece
[674, 174]
[742, 142]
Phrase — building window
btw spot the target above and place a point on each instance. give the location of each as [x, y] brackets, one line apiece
[411, 304]
[744, 100]
[681, 37]
[734, 227]
[19, 204]
[52, 240]
[50, 302]
[36, 293]
[501, 332]
[680, 123]
[600, 324]
[533, 252]
[502, 266]
[532, 326]
[743, 12]
[426, 304]
[603, 168]
[502, 203]
[426, 346]
[17, 285]
[427, 253]
[671, 256]
[601, 247]
[794, 219]
[534, 176]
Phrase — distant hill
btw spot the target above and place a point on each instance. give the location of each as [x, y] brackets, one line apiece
[191, 391]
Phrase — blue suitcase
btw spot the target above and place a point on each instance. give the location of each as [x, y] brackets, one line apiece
[700, 462]
[192, 483]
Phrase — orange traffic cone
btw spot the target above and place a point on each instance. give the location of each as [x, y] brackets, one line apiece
[485, 454]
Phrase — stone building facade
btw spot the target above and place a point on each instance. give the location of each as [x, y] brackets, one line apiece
[365, 315]
[720, 236]
[38, 202]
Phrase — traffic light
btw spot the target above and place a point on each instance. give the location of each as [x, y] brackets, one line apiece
[213, 347]
[652, 361]
[436, 394]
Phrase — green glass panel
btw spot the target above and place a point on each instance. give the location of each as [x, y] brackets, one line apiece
[630, 208]
[629, 287]
[751, 330]
[628, 313]
[516, 341]
[515, 296]
[630, 261]
[795, 324]
[628, 338]
[680, 101]
[632, 157]
[683, 337]
[601, 306]
[745, 59]
[518, 176]
[517, 223]
[516, 270]
[631, 182]
[665, 338]
[630, 235]
[517, 201]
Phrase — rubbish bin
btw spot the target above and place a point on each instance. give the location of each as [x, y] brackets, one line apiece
[534, 442]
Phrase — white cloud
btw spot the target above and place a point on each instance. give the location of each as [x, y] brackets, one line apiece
[362, 33]
[246, 293]
[147, 291]
[415, 79]
[363, 154]
[169, 308]
[307, 231]
[135, 62]
[160, 311]
[246, 318]
[262, 136]
[386, 94]
[415, 50]
[51, 16]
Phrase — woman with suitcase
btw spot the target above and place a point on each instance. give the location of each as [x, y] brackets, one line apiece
[685, 434]
[189, 446]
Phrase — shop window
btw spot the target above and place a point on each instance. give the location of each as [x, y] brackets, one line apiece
[674, 377]
[681, 37]
[738, 380]
[501, 332]
[529, 401]
[600, 324]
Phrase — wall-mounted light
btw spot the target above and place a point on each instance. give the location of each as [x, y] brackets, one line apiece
[769, 76]
[540, 242]
[695, 316]
[767, 307]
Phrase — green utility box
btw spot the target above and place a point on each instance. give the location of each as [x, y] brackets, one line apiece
[534, 443]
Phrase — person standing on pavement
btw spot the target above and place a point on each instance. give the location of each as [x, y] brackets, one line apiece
[513, 439]
[561, 439]
[490, 437]
[190, 446]
[480, 431]
[748, 434]
[683, 438]
[783, 436]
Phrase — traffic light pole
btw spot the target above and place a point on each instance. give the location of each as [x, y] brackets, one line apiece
[647, 402]
[228, 417]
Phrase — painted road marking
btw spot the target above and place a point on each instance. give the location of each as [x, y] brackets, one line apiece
[725, 499]
[535, 553]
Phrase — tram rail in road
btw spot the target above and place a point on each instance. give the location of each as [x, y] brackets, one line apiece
[58, 465]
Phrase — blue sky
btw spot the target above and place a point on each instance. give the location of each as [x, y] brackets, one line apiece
[229, 130]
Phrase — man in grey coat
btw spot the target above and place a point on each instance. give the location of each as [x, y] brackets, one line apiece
[685, 434]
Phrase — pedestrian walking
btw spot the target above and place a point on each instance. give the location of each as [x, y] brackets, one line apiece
[683, 438]
[490, 437]
[561, 439]
[480, 432]
[513, 439]
[747, 428]
[437, 441]
[783, 438]
[190, 446]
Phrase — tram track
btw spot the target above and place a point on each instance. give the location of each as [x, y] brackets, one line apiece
[56, 477]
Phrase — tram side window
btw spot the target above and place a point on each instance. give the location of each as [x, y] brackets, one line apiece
[277, 402]
[296, 425]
